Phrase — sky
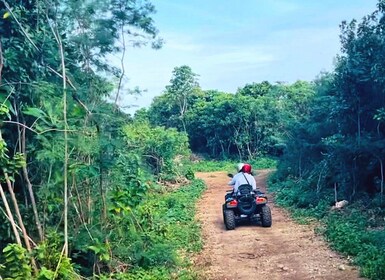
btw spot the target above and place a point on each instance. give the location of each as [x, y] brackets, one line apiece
[233, 43]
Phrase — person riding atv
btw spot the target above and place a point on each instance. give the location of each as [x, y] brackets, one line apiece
[245, 201]
[243, 177]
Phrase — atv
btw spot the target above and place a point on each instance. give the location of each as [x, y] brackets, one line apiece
[246, 205]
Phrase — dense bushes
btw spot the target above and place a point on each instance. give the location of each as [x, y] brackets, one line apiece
[230, 166]
[337, 151]
[153, 241]
[248, 124]
[356, 231]
[163, 233]
[349, 233]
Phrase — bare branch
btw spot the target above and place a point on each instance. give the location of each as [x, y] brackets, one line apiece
[122, 65]
[42, 132]
[1, 61]
[19, 24]
[10, 215]
[61, 76]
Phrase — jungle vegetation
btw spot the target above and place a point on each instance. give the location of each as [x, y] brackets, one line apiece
[90, 191]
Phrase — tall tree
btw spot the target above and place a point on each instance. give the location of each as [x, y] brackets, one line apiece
[55, 79]
[183, 85]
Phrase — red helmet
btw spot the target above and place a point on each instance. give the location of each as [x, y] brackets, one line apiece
[246, 168]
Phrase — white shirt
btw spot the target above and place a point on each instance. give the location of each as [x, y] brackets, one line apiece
[240, 179]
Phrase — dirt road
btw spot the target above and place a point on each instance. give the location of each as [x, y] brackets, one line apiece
[284, 251]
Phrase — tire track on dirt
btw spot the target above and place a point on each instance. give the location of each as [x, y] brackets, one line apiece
[284, 251]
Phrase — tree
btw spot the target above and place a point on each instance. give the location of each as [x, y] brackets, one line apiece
[183, 85]
[340, 140]
[54, 83]
[255, 89]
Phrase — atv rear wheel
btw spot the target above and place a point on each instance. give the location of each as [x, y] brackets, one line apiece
[247, 205]
[229, 219]
[266, 216]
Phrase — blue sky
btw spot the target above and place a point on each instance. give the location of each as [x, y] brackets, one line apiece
[232, 43]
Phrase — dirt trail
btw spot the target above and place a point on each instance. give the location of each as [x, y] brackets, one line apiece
[284, 251]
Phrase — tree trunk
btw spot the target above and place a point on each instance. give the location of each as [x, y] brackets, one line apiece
[17, 210]
[10, 215]
[65, 160]
[30, 189]
[1, 61]
[121, 64]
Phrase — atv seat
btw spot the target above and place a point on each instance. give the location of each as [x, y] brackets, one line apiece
[245, 189]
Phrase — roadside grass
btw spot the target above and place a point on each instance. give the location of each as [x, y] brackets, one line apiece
[169, 236]
[356, 231]
[230, 165]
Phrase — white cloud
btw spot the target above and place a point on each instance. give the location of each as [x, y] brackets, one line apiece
[280, 40]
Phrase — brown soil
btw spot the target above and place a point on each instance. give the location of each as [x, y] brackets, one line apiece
[287, 250]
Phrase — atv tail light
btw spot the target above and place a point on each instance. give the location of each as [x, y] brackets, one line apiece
[232, 203]
[260, 200]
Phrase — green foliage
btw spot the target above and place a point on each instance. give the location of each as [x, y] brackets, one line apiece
[371, 260]
[330, 132]
[15, 263]
[356, 231]
[250, 123]
[340, 139]
[51, 260]
[336, 150]
[230, 166]
[142, 274]
[170, 109]
[159, 147]
[100, 250]
[160, 234]
[32, 115]
[255, 89]
[190, 175]
[349, 235]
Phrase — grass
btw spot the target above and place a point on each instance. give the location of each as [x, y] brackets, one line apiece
[169, 236]
[356, 231]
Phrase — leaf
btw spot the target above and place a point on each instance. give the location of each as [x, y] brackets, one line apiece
[6, 15]
[7, 249]
[105, 257]
[95, 249]
[34, 112]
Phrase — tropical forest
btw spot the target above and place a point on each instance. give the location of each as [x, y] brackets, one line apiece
[90, 191]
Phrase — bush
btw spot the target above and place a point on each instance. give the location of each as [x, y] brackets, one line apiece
[355, 231]
[164, 232]
[230, 165]
[15, 263]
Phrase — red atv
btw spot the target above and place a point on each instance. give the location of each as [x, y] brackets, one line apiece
[246, 205]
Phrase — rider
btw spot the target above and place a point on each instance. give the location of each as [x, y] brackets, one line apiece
[243, 177]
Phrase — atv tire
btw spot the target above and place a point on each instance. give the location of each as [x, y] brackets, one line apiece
[247, 205]
[229, 219]
[266, 216]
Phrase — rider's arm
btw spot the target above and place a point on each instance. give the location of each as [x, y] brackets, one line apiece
[252, 182]
[231, 182]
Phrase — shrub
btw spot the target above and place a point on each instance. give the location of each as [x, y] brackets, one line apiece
[352, 231]
[160, 233]
[230, 165]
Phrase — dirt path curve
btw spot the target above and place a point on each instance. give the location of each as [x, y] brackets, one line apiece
[284, 251]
